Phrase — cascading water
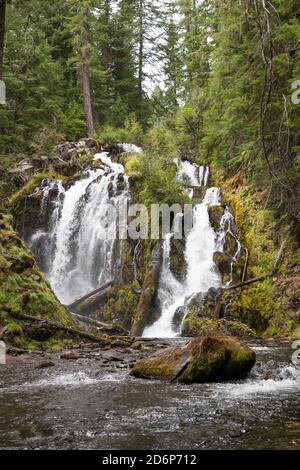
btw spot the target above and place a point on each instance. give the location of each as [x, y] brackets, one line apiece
[201, 244]
[81, 240]
[192, 174]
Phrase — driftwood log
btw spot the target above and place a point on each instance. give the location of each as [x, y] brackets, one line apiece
[89, 303]
[116, 341]
[266, 276]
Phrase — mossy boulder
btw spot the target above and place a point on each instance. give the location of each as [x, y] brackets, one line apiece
[203, 359]
[25, 205]
[216, 212]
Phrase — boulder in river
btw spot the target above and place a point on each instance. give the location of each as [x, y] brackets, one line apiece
[203, 359]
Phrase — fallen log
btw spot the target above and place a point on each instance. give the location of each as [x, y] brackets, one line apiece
[261, 278]
[73, 331]
[108, 329]
[85, 297]
[249, 282]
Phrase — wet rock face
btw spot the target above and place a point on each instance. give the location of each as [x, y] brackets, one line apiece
[230, 245]
[201, 305]
[199, 193]
[224, 265]
[203, 359]
[178, 264]
[207, 305]
[178, 318]
[216, 212]
[147, 300]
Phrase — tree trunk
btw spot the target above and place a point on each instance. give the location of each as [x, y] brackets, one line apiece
[141, 50]
[106, 51]
[88, 112]
[2, 34]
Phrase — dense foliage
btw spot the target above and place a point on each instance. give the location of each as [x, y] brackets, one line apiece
[211, 80]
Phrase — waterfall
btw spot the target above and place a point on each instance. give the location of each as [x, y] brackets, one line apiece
[192, 174]
[130, 148]
[83, 252]
[201, 244]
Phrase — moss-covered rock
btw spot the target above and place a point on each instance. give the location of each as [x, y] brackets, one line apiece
[195, 326]
[146, 303]
[203, 359]
[224, 265]
[121, 305]
[25, 204]
[268, 306]
[23, 288]
[230, 245]
[216, 212]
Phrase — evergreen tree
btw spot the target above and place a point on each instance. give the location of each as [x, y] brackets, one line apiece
[33, 79]
[2, 34]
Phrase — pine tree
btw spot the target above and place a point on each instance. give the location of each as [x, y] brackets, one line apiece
[82, 21]
[2, 34]
[33, 79]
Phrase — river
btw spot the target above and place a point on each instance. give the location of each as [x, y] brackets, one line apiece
[82, 405]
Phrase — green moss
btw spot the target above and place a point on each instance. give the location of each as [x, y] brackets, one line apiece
[24, 289]
[121, 305]
[7, 182]
[261, 305]
[30, 187]
[215, 212]
[195, 326]
[203, 359]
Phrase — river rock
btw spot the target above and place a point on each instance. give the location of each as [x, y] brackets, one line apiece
[69, 355]
[203, 359]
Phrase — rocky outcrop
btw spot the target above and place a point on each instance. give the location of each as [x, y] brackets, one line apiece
[178, 263]
[216, 212]
[230, 245]
[224, 265]
[203, 359]
[24, 291]
[147, 300]
[198, 306]
[195, 326]
[66, 158]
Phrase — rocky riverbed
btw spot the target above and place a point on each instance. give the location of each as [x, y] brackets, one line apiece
[85, 398]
